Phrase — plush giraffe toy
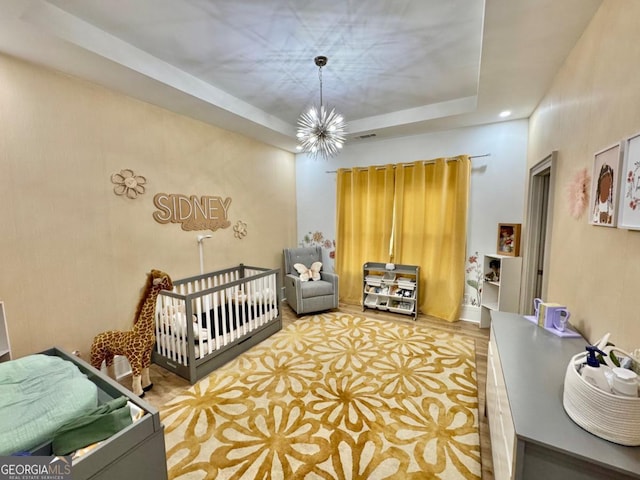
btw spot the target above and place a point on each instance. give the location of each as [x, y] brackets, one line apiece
[136, 344]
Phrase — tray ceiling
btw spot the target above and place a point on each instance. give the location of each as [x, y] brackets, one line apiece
[395, 68]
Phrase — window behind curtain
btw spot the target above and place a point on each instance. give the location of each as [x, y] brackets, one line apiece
[414, 213]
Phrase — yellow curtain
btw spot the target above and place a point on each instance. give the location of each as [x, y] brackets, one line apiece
[430, 231]
[364, 223]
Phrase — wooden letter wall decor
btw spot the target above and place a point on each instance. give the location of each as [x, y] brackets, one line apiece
[206, 213]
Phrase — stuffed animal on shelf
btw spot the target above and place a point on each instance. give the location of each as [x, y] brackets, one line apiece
[494, 274]
[136, 344]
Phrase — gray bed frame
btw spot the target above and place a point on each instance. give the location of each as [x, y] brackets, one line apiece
[135, 453]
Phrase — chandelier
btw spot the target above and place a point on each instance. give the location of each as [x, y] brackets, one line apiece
[321, 131]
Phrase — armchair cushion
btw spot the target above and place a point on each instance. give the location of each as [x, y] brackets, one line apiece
[315, 289]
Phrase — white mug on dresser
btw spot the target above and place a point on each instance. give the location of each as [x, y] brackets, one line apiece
[560, 319]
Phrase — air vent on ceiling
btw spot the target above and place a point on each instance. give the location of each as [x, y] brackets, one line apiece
[368, 135]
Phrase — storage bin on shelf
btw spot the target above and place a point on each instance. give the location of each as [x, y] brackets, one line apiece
[372, 289]
[403, 293]
[389, 278]
[613, 417]
[400, 306]
[382, 303]
[375, 280]
[371, 300]
[406, 283]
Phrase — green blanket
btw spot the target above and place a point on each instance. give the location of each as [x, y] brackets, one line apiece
[38, 394]
[94, 426]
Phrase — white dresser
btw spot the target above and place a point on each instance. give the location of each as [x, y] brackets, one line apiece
[532, 437]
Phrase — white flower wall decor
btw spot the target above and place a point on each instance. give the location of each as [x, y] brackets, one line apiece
[128, 184]
[240, 230]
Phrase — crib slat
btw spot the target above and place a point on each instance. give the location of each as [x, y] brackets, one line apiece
[216, 302]
[197, 303]
[160, 325]
[210, 344]
[273, 297]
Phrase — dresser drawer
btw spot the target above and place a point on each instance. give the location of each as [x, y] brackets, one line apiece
[500, 422]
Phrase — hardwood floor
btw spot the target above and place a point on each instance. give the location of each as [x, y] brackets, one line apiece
[167, 385]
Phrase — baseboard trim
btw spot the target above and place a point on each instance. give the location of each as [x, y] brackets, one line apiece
[121, 367]
[470, 313]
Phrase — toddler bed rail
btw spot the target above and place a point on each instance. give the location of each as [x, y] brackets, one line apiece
[209, 319]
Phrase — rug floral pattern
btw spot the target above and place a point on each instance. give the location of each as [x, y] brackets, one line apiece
[333, 396]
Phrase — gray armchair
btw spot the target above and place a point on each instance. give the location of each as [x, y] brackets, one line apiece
[311, 296]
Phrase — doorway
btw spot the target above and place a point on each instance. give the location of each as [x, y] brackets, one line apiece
[538, 236]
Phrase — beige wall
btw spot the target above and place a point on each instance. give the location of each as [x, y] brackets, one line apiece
[73, 255]
[593, 103]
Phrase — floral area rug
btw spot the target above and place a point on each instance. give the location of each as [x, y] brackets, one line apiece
[333, 396]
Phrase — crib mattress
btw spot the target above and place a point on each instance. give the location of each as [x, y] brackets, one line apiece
[38, 394]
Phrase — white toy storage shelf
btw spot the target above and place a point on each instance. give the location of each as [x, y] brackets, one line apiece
[504, 294]
[393, 290]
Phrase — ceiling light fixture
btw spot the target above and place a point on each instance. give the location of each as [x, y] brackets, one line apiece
[321, 131]
[505, 113]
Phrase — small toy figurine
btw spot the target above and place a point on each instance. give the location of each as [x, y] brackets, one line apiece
[494, 274]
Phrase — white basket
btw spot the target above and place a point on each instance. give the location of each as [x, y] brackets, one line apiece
[612, 417]
[370, 300]
[389, 278]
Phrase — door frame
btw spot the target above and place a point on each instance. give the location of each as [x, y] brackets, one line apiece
[547, 166]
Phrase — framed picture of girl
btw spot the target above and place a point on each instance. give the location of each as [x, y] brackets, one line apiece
[629, 208]
[509, 239]
[604, 186]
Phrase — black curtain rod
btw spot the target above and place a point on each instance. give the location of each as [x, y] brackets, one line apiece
[425, 161]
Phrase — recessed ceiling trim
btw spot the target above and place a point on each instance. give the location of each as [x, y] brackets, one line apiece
[414, 115]
[65, 26]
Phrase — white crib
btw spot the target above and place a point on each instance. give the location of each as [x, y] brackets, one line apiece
[229, 311]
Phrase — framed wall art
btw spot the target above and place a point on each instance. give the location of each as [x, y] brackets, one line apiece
[509, 239]
[605, 182]
[629, 206]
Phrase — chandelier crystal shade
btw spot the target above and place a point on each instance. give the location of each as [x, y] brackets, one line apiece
[321, 131]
